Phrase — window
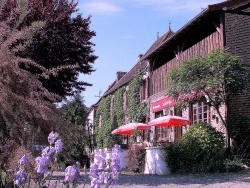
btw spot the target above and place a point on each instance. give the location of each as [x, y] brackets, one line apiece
[112, 105]
[143, 90]
[125, 100]
[200, 112]
[164, 134]
[125, 106]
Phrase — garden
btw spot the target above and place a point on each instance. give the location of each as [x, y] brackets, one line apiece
[104, 169]
[201, 150]
[39, 69]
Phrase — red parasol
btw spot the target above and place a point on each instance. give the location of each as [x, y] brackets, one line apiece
[169, 121]
[129, 128]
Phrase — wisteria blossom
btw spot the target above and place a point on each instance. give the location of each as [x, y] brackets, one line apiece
[48, 153]
[72, 173]
[52, 137]
[23, 160]
[105, 169]
[58, 146]
[20, 178]
[48, 156]
[53, 185]
[41, 164]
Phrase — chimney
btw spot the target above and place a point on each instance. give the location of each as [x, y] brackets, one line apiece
[119, 75]
[140, 56]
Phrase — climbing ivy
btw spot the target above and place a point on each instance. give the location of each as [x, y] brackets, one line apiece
[103, 132]
[118, 113]
[112, 118]
[118, 110]
[137, 111]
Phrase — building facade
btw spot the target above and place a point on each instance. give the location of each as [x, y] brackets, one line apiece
[219, 26]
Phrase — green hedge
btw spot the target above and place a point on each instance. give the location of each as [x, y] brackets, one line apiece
[199, 150]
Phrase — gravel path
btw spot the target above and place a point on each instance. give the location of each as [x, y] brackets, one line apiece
[220, 180]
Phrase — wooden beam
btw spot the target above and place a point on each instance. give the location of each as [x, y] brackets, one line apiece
[238, 12]
[217, 28]
[243, 7]
[221, 5]
[222, 29]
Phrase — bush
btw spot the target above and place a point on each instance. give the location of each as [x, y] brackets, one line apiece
[6, 179]
[199, 150]
[136, 158]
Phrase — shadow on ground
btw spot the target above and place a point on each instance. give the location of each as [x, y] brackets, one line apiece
[201, 179]
[196, 180]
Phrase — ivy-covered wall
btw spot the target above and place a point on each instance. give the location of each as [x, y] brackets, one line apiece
[136, 112]
[118, 111]
[103, 124]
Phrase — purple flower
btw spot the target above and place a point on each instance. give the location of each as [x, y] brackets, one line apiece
[72, 173]
[41, 169]
[106, 178]
[93, 171]
[58, 146]
[100, 159]
[105, 168]
[52, 137]
[48, 151]
[23, 160]
[41, 163]
[95, 183]
[53, 185]
[20, 177]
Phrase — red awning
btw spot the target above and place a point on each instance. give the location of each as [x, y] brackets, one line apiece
[163, 103]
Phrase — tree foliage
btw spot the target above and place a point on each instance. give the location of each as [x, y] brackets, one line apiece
[73, 132]
[23, 108]
[75, 111]
[218, 76]
[199, 150]
[63, 45]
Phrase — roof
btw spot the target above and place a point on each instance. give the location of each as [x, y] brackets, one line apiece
[203, 16]
[140, 65]
[158, 42]
[168, 38]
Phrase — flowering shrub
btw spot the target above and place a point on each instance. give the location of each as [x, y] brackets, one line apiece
[71, 176]
[11, 166]
[105, 169]
[48, 156]
[21, 176]
[43, 163]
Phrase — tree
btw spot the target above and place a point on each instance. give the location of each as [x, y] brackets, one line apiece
[23, 108]
[217, 76]
[75, 111]
[63, 45]
[74, 114]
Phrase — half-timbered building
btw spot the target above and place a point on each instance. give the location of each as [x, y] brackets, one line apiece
[222, 25]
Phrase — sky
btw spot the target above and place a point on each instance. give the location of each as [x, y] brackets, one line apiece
[127, 28]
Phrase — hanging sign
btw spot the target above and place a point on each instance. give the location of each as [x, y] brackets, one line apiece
[163, 103]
